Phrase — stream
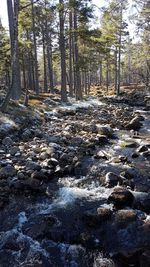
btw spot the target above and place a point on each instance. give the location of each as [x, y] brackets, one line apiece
[61, 228]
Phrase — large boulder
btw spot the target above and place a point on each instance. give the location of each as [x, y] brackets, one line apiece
[134, 124]
[95, 217]
[121, 197]
[112, 179]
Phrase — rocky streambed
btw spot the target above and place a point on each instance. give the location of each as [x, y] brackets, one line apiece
[75, 187]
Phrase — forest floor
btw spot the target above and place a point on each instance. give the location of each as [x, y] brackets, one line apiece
[75, 182]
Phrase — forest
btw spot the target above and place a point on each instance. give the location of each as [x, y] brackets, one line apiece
[75, 133]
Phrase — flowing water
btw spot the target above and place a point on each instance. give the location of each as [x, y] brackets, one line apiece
[49, 230]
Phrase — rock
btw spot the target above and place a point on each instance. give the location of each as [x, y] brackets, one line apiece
[102, 139]
[39, 175]
[44, 156]
[52, 161]
[31, 165]
[112, 179]
[142, 148]
[130, 144]
[105, 130]
[121, 197]
[142, 201]
[14, 150]
[146, 154]
[38, 133]
[8, 171]
[131, 173]
[96, 217]
[26, 135]
[7, 141]
[135, 155]
[123, 217]
[135, 124]
[40, 226]
[101, 155]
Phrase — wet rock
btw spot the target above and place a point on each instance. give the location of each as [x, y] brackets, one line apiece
[95, 217]
[131, 173]
[8, 171]
[121, 197]
[40, 226]
[123, 217]
[101, 155]
[112, 179]
[134, 124]
[142, 201]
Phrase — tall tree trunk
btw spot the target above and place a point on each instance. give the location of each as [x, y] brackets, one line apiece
[107, 77]
[14, 91]
[78, 90]
[119, 51]
[129, 60]
[44, 63]
[49, 55]
[11, 23]
[70, 55]
[35, 49]
[62, 53]
[116, 69]
[85, 82]
[24, 72]
[89, 82]
[100, 74]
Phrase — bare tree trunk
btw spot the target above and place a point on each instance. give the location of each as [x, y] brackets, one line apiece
[44, 63]
[119, 52]
[35, 50]
[107, 77]
[49, 56]
[100, 72]
[15, 88]
[116, 71]
[24, 72]
[62, 53]
[85, 83]
[129, 60]
[89, 82]
[70, 55]
[11, 23]
[78, 90]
